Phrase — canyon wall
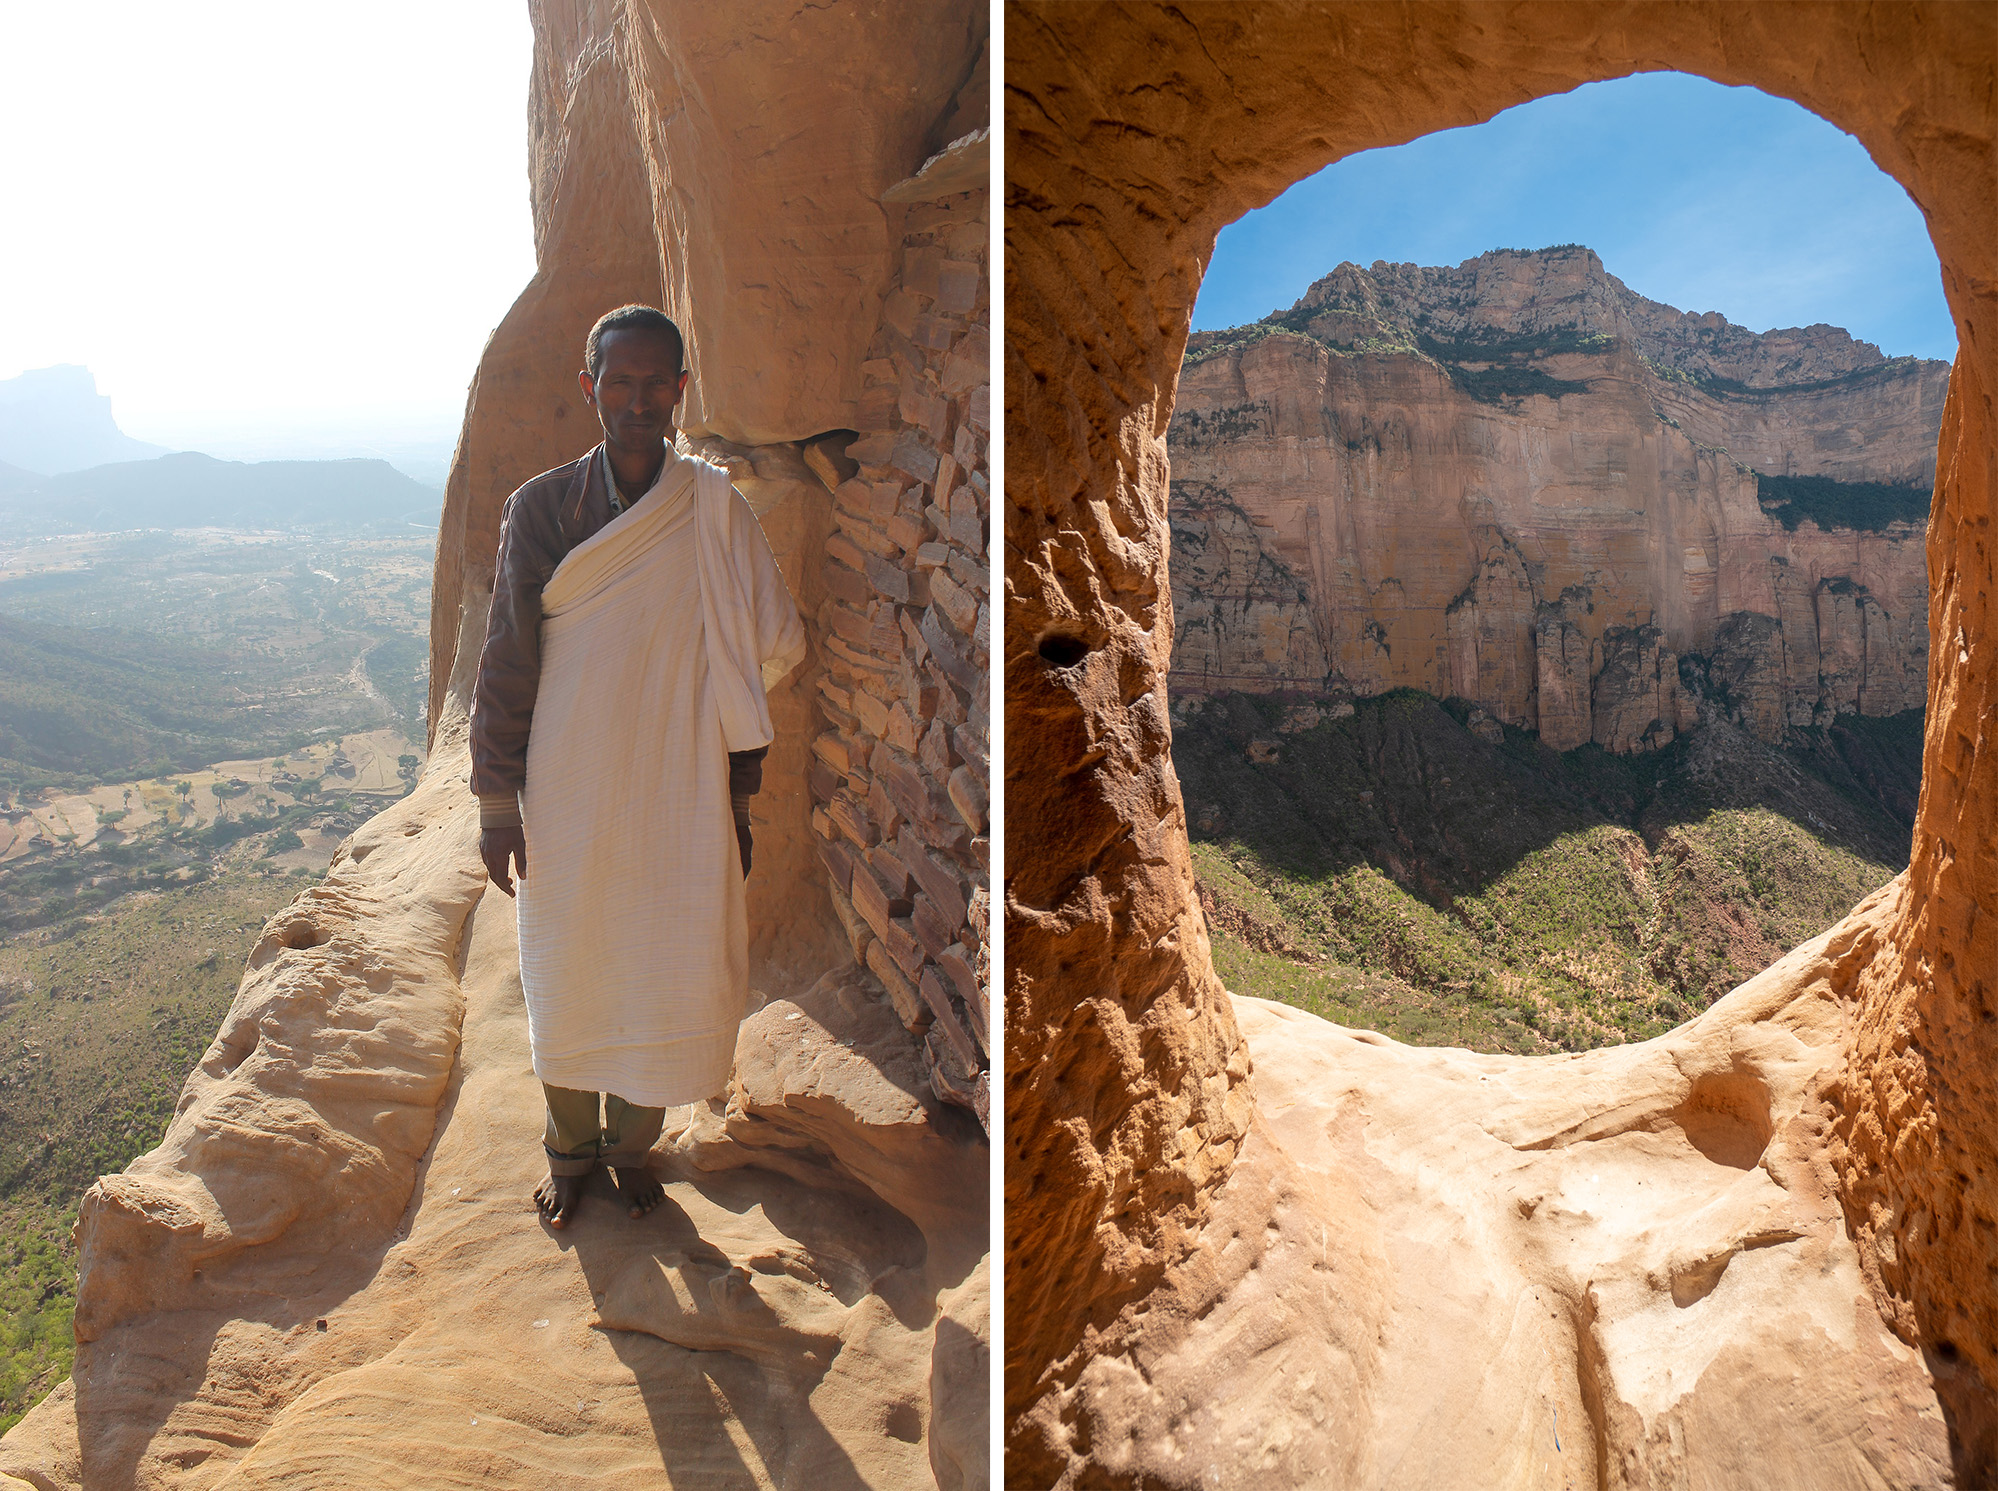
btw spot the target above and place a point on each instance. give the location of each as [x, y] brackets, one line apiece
[1517, 482]
[1215, 1274]
[331, 1268]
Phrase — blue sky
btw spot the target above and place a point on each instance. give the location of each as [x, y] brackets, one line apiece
[1704, 197]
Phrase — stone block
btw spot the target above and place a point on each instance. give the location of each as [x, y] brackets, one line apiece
[938, 881]
[921, 270]
[969, 364]
[956, 602]
[874, 449]
[871, 712]
[956, 965]
[914, 457]
[823, 781]
[852, 819]
[910, 1006]
[858, 935]
[908, 532]
[958, 285]
[928, 925]
[947, 650]
[936, 754]
[852, 625]
[967, 531]
[968, 799]
[934, 333]
[846, 551]
[970, 573]
[846, 583]
[904, 948]
[838, 860]
[832, 749]
[889, 581]
[938, 998]
[882, 810]
[876, 907]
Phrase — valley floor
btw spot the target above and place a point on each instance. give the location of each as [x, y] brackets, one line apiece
[1394, 869]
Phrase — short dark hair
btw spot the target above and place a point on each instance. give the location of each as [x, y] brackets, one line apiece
[632, 318]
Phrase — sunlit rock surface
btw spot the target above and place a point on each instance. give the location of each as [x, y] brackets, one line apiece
[1520, 483]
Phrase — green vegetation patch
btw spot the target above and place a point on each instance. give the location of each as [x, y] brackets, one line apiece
[101, 1018]
[1866, 506]
[1511, 381]
[1394, 870]
[37, 1301]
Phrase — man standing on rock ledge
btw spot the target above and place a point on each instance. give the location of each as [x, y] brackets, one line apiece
[618, 718]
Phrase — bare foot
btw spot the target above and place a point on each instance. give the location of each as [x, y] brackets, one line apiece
[557, 1197]
[640, 1192]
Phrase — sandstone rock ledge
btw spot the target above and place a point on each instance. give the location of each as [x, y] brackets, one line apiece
[1627, 1267]
[331, 1272]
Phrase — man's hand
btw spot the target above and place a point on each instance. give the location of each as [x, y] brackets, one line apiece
[498, 845]
[742, 842]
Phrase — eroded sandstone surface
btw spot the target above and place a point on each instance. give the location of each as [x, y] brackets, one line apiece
[1161, 1136]
[1627, 1267]
[1520, 483]
[331, 1273]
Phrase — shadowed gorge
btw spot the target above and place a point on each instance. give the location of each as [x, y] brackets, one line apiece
[330, 1270]
[1757, 1249]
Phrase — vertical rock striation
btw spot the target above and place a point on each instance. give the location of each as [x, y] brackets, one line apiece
[1474, 481]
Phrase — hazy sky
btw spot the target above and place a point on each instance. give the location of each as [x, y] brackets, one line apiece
[263, 217]
[1704, 197]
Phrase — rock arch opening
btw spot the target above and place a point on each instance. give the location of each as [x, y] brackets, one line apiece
[1151, 1122]
[1548, 659]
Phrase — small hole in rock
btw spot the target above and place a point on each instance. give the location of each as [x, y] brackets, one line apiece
[1062, 650]
[904, 1423]
[319, 1325]
[302, 934]
[1947, 1350]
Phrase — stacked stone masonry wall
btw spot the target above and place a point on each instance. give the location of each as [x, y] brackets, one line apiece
[899, 780]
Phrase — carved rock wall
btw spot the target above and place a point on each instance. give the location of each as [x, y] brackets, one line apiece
[1398, 481]
[1133, 137]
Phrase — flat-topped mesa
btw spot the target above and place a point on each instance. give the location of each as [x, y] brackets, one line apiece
[1519, 482]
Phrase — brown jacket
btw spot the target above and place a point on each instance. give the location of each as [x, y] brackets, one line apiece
[550, 515]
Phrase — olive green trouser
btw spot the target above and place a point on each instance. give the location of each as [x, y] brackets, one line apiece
[576, 1141]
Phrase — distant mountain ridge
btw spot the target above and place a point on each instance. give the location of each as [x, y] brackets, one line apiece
[1510, 296]
[190, 490]
[54, 420]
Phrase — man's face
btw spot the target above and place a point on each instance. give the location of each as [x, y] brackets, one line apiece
[636, 389]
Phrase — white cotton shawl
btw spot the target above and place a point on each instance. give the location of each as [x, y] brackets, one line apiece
[633, 934]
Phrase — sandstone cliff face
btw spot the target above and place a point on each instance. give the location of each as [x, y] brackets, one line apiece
[1517, 482]
[1219, 1271]
[331, 1268]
